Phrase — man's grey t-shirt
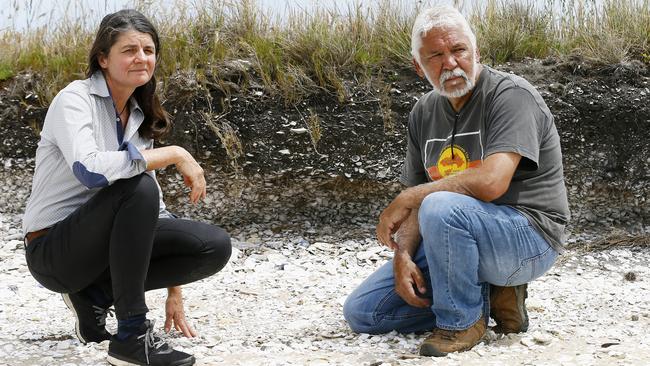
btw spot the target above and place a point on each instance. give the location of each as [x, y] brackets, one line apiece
[504, 114]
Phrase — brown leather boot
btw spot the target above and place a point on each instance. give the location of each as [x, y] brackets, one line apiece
[443, 341]
[508, 308]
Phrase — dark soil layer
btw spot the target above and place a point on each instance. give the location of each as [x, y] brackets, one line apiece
[602, 114]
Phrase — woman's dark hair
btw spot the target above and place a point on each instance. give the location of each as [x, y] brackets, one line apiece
[156, 120]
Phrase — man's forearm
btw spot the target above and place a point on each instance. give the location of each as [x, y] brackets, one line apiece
[487, 182]
[408, 235]
[458, 183]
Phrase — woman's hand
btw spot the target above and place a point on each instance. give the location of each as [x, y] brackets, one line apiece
[192, 172]
[175, 314]
[192, 176]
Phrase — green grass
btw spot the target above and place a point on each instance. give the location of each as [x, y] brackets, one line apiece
[307, 52]
[618, 32]
[514, 30]
[6, 72]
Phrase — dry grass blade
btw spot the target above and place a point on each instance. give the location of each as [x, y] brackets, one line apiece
[305, 50]
[385, 107]
[314, 127]
[228, 137]
[615, 240]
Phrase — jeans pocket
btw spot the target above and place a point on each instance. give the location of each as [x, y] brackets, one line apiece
[533, 267]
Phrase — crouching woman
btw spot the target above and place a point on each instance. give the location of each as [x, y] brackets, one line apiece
[96, 228]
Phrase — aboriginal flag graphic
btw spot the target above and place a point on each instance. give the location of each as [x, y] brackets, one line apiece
[443, 159]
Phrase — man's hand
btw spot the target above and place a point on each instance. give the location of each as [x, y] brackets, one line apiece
[407, 277]
[175, 314]
[391, 218]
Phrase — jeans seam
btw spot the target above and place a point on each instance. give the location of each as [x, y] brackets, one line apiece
[381, 303]
[375, 313]
[479, 210]
[455, 211]
[526, 262]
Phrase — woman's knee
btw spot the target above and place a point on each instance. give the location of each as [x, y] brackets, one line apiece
[218, 247]
[141, 190]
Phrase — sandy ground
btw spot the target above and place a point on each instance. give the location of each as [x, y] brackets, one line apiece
[281, 304]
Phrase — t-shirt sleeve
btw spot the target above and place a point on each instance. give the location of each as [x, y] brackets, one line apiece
[413, 171]
[513, 125]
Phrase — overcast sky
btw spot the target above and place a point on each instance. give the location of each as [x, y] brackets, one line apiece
[30, 14]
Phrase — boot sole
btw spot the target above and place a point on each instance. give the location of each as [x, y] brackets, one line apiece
[430, 351]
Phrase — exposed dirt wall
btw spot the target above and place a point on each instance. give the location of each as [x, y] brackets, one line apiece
[602, 114]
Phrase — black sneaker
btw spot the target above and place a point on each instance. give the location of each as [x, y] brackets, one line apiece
[145, 349]
[90, 319]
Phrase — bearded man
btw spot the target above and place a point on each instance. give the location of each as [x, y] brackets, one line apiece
[486, 206]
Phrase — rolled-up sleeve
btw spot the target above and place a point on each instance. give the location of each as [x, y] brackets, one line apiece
[70, 117]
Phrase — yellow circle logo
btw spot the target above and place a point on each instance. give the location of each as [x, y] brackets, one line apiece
[449, 163]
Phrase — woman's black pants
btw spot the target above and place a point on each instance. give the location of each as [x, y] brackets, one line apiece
[116, 242]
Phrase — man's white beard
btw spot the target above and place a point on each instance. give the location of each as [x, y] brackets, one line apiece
[446, 75]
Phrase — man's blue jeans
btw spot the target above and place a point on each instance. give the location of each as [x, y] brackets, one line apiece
[466, 245]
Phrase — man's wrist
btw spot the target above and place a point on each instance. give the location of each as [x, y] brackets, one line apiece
[409, 198]
[402, 253]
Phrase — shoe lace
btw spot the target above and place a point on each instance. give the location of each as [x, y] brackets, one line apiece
[150, 341]
[446, 334]
[101, 314]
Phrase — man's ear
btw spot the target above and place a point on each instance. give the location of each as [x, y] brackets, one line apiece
[478, 55]
[418, 68]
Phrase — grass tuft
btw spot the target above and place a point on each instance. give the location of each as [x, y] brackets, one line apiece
[305, 51]
[6, 72]
[513, 30]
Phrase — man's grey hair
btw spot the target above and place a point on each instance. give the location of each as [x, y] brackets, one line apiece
[438, 17]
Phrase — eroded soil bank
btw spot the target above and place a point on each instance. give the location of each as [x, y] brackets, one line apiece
[602, 114]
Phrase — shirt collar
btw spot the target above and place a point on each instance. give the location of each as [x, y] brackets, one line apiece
[99, 87]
